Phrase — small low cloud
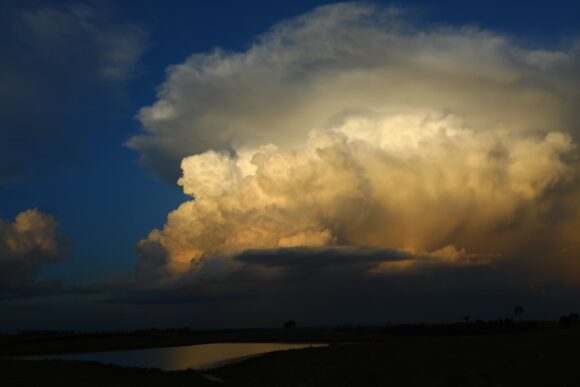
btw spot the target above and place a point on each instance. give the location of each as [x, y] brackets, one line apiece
[305, 258]
[29, 243]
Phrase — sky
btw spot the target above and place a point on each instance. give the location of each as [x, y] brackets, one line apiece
[231, 164]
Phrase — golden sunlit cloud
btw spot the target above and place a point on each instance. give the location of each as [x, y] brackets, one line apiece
[26, 245]
[350, 127]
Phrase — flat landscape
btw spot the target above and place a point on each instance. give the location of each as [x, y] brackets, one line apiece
[403, 356]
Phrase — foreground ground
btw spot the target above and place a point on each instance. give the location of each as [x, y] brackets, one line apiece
[521, 359]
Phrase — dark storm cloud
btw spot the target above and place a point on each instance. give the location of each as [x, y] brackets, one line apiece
[343, 285]
[315, 259]
[324, 286]
[252, 274]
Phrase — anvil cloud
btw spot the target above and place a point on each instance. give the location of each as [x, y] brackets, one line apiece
[351, 126]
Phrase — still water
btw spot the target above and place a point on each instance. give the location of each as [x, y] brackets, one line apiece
[201, 356]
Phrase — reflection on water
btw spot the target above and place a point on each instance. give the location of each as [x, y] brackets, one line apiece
[202, 356]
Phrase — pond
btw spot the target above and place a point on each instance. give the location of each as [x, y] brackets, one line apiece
[201, 356]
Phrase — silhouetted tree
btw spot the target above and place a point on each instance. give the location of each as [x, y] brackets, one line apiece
[518, 311]
[290, 324]
[466, 318]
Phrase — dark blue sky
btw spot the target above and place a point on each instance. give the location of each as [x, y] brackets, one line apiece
[63, 125]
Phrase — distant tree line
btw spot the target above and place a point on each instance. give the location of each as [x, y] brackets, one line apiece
[570, 320]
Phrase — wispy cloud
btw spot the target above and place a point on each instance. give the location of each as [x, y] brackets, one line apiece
[59, 63]
[80, 33]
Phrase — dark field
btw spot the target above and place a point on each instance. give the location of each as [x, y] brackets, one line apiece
[409, 356]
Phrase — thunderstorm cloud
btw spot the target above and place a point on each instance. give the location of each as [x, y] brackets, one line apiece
[353, 128]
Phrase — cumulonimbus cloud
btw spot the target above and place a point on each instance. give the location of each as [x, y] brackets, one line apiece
[26, 245]
[349, 126]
